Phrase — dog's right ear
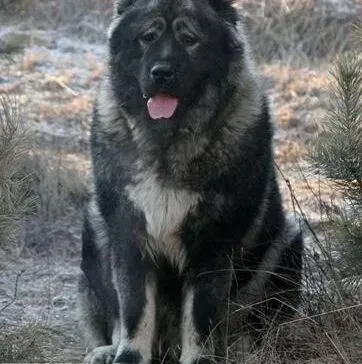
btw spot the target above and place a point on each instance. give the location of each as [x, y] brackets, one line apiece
[121, 5]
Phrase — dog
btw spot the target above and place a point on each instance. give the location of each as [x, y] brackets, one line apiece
[185, 228]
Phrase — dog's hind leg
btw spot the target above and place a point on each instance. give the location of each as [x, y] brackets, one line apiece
[98, 304]
[93, 317]
[273, 291]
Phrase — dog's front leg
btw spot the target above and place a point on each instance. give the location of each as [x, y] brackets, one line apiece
[136, 291]
[204, 313]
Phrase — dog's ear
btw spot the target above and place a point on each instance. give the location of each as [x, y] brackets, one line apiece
[219, 4]
[225, 9]
[216, 2]
[229, 13]
[121, 5]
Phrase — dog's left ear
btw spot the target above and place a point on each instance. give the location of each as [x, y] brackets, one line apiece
[225, 9]
[220, 2]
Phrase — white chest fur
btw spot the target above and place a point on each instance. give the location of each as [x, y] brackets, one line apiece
[165, 209]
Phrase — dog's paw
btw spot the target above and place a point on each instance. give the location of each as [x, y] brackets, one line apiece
[101, 355]
[128, 357]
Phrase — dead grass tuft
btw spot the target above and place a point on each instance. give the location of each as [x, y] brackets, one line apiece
[76, 108]
[95, 77]
[24, 344]
[60, 183]
[57, 83]
[32, 60]
[15, 197]
[289, 151]
[287, 118]
[326, 327]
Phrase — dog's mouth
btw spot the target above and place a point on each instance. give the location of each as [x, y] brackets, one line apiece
[162, 106]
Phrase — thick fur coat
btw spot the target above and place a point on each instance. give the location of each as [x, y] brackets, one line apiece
[185, 226]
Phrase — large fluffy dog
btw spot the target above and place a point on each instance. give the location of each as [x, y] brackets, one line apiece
[186, 226]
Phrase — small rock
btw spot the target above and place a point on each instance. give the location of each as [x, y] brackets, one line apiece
[59, 302]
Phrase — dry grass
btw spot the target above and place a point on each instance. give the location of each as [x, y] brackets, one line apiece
[23, 345]
[289, 151]
[95, 77]
[31, 60]
[72, 109]
[15, 88]
[49, 182]
[15, 197]
[287, 117]
[303, 82]
[59, 82]
[60, 186]
[60, 183]
[86, 18]
[297, 31]
[326, 327]
[313, 341]
[288, 30]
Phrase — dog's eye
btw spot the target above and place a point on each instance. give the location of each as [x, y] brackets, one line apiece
[149, 38]
[188, 40]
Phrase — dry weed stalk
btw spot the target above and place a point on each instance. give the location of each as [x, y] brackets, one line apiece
[15, 198]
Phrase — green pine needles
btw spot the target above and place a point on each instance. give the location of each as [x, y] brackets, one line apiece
[337, 154]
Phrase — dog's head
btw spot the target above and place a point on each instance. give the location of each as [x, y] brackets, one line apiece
[165, 54]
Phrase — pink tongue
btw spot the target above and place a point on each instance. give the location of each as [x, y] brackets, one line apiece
[162, 106]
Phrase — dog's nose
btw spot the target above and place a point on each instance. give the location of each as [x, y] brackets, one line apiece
[162, 73]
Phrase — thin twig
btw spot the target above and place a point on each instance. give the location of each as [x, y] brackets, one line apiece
[311, 317]
[338, 350]
[15, 291]
[294, 198]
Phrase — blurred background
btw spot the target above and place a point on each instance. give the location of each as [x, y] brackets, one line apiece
[52, 57]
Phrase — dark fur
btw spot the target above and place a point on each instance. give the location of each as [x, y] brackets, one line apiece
[187, 207]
